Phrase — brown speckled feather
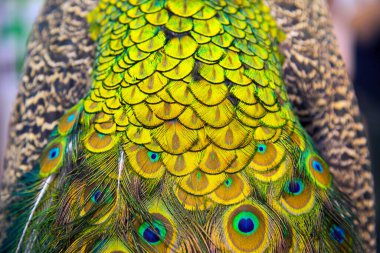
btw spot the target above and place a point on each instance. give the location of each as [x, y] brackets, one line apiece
[56, 76]
[59, 65]
[325, 102]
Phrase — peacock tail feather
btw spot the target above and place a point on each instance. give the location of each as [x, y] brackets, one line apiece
[186, 142]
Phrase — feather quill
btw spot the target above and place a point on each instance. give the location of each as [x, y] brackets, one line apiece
[34, 208]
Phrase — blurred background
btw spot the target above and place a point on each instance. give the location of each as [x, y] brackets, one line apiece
[357, 25]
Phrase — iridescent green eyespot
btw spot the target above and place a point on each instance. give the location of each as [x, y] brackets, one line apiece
[153, 233]
[246, 223]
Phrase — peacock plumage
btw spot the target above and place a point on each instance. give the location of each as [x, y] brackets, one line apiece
[185, 142]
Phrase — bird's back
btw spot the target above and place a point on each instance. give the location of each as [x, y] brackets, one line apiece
[186, 142]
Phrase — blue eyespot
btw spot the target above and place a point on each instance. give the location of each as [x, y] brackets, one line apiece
[261, 148]
[153, 156]
[246, 223]
[71, 118]
[337, 233]
[150, 236]
[54, 153]
[294, 187]
[153, 234]
[228, 182]
[317, 166]
[96, 197]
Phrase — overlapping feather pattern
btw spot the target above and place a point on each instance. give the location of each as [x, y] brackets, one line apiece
[186, 142]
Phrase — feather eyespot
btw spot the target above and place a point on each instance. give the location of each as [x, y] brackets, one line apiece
[153, 233]
[267, 157]
[145, 162]
[97, 201]
[153, 156]
[232, 190]
[246, 228]
[317, 166]
[246, 223]
[298, 197]
[294, 187]
[54, 153]
[52, 157]
[261, 148]
[228, 182]
[318, 170]
[99, 142]
[69, 120]
[96, 197]
[99, 196]
[337, 233]
[71, 117]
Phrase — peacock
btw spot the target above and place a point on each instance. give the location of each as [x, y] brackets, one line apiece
[184, 137]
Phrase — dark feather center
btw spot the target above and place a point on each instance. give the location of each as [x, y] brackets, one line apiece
[246, 225]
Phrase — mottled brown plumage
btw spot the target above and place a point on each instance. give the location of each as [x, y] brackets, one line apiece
[59, 65]
[325, 102]
[57, 73]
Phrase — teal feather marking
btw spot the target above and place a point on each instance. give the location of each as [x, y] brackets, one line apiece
[153, 156]
[261, 148]
[228, 182]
